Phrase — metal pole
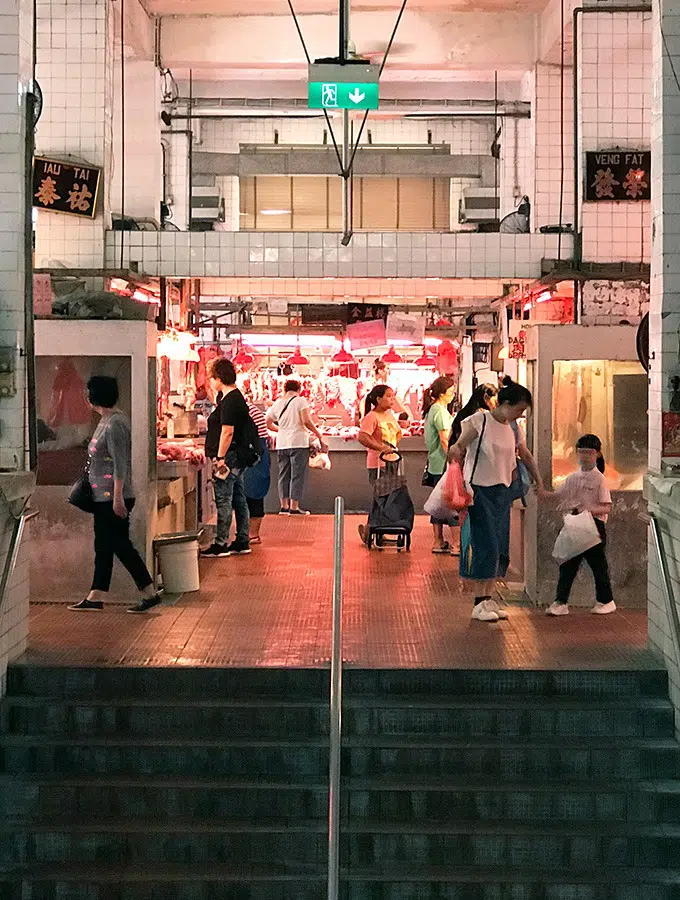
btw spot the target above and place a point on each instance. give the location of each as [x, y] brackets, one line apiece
[346, 143]
[335, 707]
[13, 553]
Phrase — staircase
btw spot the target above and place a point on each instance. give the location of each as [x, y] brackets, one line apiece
[211, 784]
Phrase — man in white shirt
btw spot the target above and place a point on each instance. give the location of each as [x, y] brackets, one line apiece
[289, 417]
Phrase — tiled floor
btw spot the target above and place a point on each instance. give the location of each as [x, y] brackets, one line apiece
[274, 609]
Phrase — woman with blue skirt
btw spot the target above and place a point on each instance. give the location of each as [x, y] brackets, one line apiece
[491, 444]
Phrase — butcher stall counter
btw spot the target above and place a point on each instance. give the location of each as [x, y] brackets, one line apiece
[348, 477]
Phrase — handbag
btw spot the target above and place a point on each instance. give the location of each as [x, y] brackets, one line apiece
[521, 478]
[81, 495]
[428, 479]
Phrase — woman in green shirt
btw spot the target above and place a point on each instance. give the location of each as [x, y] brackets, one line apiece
[438, 422]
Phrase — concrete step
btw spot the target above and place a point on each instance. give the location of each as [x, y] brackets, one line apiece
[471, 716]
[207, 683]
[578, 846]
[504, 759]
[180, 882]
[398, 800]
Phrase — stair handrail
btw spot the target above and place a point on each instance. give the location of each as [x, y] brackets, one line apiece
[335, 706]
[666, 583]
[16, 535]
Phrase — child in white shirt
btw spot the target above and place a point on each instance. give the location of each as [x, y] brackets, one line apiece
[586, 490]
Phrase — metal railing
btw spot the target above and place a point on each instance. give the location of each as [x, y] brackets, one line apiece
[13, 552]
[335, 707]
[666, 583]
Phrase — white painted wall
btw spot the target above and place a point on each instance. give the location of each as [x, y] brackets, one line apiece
[143, 161]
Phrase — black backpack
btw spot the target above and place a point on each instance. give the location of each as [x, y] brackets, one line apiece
[248, 451]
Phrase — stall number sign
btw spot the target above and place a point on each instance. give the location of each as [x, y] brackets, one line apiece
[617, 175]
[339, 95]
[65, 187]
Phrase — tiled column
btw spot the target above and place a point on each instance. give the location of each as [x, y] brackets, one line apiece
[16, 47]
[614, 111]
[550, 183]
[663, 483]
[75, 71]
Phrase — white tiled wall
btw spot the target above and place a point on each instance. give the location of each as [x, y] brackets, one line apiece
[15, 73]
[315, 255]
[177, 166]
[465, 136]
[74, 68]
[615, 111]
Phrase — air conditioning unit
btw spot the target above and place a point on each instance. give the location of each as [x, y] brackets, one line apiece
[479, 206]
[206, 204]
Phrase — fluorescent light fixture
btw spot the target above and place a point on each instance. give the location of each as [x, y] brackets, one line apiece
[273, 212]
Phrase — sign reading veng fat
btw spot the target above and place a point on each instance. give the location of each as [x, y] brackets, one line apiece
[617, 175]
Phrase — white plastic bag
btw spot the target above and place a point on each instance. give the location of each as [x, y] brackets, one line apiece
[436, 506]
[578, 534]
[320, 461]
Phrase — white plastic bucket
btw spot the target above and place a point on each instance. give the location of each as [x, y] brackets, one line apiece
[178, 563]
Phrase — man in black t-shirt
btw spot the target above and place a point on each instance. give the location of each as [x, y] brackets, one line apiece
[225, 444]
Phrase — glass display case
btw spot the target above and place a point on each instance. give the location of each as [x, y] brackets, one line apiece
[607, 398]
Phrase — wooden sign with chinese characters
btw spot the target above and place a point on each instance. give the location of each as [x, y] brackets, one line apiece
[65, 187]
[615, 175]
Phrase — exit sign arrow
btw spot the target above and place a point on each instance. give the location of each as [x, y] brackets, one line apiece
[356, 96]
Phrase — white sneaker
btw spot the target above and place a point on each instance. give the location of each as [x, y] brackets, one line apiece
[500, 612]
[484, 612]
[603, 609]
[557, 609]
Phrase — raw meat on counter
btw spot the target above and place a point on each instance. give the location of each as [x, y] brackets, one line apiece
[176, 451]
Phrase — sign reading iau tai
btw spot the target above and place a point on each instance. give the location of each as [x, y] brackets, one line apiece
[65, 187]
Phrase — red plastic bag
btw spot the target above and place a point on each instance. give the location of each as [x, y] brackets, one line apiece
[455, 494]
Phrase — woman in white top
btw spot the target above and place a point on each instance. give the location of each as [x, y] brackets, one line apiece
[490, 444]
[289, 417]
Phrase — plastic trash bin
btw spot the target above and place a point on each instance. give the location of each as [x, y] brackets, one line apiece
[177, 556]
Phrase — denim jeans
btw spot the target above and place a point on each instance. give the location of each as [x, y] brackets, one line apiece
[230, 496]
[293, 465]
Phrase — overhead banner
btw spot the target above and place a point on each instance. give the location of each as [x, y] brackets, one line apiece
[405, 327]
[364, 335]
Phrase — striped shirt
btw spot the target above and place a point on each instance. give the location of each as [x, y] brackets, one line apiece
[258, 418]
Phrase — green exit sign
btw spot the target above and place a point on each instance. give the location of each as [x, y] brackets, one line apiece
[342, 95]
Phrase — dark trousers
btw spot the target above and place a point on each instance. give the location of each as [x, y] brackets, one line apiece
[112, 538]
[255, 508]
[596, 558]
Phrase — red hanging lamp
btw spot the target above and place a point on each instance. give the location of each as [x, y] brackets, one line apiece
[342, 356]
[392, 356]
[242, 357]
[426, 361]
[297, 359]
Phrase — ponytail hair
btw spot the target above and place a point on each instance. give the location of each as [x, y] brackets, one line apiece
[374, 395]
[592, 442]
[436, 390]
[513, 393]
